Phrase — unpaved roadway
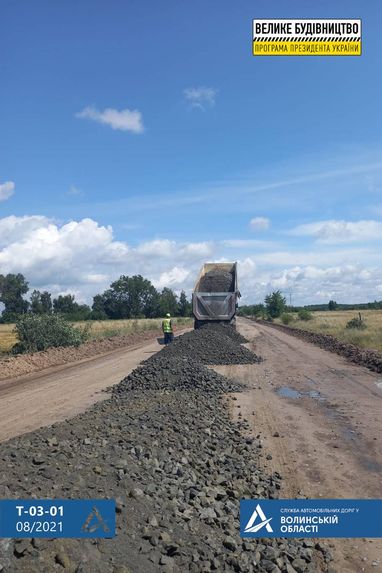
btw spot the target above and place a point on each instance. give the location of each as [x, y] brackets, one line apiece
[320, 418]
[40, 399]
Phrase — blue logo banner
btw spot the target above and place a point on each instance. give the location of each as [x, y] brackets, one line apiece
[57, 518]
[311, 518]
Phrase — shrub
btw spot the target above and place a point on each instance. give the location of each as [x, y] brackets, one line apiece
[9, 317]
[98, 315]
[356, 322]
[286, 318]
[39, 332]
[275, 304]
[304, 314]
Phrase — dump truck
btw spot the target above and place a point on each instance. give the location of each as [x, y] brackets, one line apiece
[215, 294]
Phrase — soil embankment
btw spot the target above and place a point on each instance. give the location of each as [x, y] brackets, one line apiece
[23, 364]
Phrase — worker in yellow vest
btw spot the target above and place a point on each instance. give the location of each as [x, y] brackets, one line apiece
[167, 329]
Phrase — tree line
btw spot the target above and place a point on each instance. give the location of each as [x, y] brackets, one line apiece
[333, 305]
[127, 297]
[275, 304]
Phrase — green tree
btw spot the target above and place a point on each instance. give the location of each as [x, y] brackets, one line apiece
[65, 304]
[257, 310]
[12, 289]
[168, 302]
[98, 308]
[46, 302]
[82, 312]
[131, 297]
[332, 305]
[275, 304]
[41, 302]
[68, 307]
[184, 306]
[35, 305]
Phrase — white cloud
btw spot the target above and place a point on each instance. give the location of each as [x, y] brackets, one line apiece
[6, 190]
[321, 257]
[49, 253]
[310, 284]
[339, 231]
[200, 97]
[247, 244]
[247, 268]
[124, 120]
[17, 229]
[74, 191]
[197, 250]
[95, 278]
[83, 257]
[171, 249]
[259, 223]
[157, 248]
[175, 277]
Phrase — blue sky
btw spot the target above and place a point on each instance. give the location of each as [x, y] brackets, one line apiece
[149, 130]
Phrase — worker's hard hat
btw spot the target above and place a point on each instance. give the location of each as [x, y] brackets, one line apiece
[168, 315]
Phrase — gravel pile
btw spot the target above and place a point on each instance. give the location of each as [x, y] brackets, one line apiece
[210, 345]
[177, 466]
[227, 329]
[217, 281]
[173, 373]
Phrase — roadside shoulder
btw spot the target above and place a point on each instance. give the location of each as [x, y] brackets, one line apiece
[368, 358]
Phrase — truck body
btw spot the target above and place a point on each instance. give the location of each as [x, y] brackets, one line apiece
[215, 294]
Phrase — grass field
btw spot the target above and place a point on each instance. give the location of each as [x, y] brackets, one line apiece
[105, 328]
[98, 329]
[334, 323]
[7, 337]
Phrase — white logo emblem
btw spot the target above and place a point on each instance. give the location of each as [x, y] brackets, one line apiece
[250, 528]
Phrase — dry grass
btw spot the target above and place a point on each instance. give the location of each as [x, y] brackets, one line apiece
[98, 329]
[334, 323]
[7, 337]
[106, 328]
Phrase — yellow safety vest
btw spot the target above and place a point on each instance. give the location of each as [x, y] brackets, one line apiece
[166, 325]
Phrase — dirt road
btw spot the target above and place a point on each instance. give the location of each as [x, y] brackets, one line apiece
[320, 419]
[29, 402]
[319, 416]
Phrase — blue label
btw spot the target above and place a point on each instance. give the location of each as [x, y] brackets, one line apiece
[311, 518]
[57, 518]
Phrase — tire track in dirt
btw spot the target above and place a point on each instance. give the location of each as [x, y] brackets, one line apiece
[324, 440]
